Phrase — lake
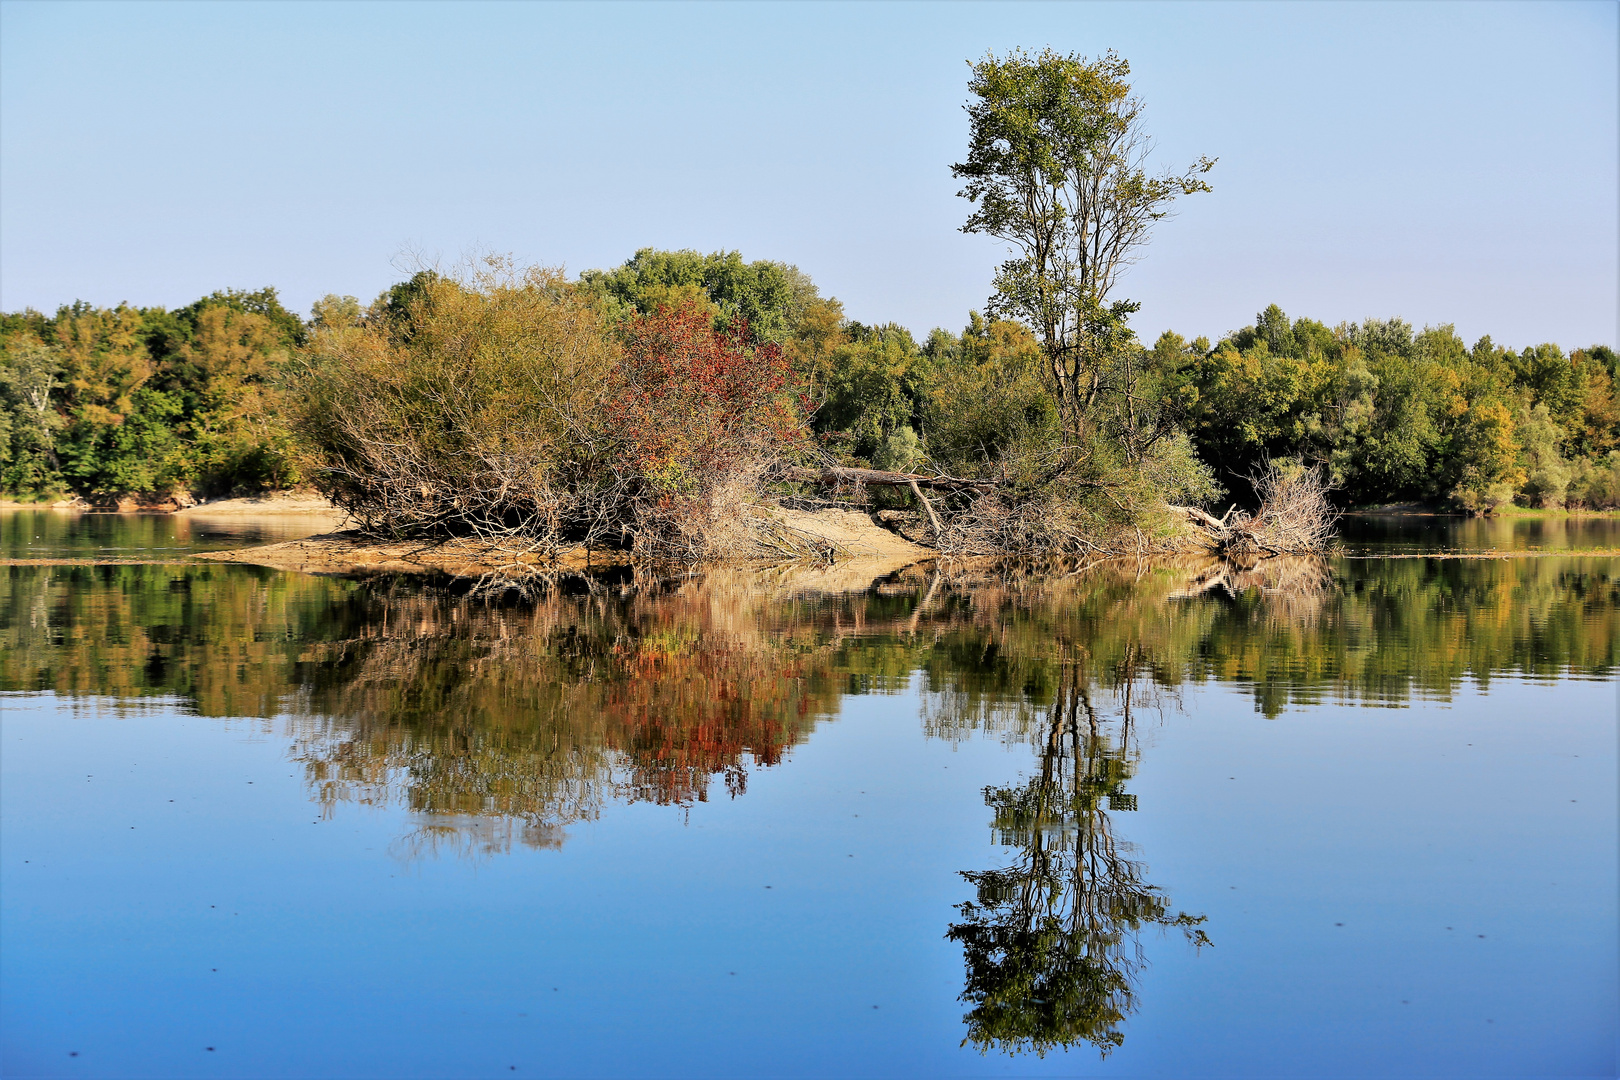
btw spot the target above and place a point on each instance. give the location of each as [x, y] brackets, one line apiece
[1355, 817]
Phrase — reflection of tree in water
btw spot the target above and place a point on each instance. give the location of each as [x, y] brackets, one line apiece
[501, 725]
[1051, 941]
[505, 725]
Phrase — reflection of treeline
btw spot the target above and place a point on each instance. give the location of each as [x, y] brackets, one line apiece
[686, 679]
[500, 724]
[1413, 627]
[447, 705]
[228, 641]
[547, 711]
[1293, 631]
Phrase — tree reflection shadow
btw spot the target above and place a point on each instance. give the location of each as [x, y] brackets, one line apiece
[497, 727]
[1051, 941]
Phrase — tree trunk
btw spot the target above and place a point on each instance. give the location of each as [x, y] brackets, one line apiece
[834, 475]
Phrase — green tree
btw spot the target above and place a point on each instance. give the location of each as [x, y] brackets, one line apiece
[771, 297]
[987, 397]
[30, 377]
[333, 312]
[1056, 168]
[874, 387]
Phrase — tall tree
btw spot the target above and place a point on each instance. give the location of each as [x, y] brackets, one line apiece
[1057, 168]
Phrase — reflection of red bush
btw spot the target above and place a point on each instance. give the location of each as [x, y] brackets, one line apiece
[729, 705]
[696, 405]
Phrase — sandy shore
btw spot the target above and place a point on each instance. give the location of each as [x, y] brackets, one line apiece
[277, 504]
[830, 536]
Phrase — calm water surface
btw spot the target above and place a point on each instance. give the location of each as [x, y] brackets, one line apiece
[1379, 534]
[1313, 820]
[67, 534]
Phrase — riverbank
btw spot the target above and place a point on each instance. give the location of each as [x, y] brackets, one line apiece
[1534, 513]
[826, 536]
[270, 504]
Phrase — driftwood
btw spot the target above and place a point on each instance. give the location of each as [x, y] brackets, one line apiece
[834, 475]
[1230, 535]
[1295, 517]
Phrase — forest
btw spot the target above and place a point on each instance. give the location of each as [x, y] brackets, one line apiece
[101, 401]
[657, 405]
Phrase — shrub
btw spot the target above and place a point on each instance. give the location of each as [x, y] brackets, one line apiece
[1596, 484]
[464, 406]
[500, 404]
[698, 416]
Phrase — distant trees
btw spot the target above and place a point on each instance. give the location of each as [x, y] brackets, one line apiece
[771, 298]
[1400, 415]
[118, 400]
[104, 401]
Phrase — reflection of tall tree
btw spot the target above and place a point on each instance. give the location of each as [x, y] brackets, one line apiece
[1051, 942]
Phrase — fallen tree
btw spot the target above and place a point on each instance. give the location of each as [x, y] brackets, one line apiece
[838, 475]
[844, 476]
[1295, 517]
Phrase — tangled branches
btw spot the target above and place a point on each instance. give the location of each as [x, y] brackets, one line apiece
[500, 406]
[1295, 516]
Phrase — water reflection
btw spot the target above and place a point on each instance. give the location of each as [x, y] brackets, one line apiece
[501, 726]
[541, 715]
[74, 534]
[664, 692]
[1050, 941]
[1423, 533]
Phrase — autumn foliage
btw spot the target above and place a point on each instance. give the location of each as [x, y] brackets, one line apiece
[502, 405]
[699, 414]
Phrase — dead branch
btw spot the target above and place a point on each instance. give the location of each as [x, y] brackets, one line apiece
[836, 475]
[1295, 517]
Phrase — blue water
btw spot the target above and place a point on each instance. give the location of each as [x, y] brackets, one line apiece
[1391, 884]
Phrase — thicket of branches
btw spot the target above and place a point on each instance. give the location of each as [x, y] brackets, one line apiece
[499, 404]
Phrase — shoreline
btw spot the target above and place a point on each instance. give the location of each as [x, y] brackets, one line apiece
[308, 503]
[1526, 512]
[828, 537]
[272, 504]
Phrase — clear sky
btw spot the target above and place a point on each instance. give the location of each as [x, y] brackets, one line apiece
[1451, 162]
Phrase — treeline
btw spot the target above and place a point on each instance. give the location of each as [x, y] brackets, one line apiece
[1397, 415]
[100, 401]
[209, 399]
[669, 403]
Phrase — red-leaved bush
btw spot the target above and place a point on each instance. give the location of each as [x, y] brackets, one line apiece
[698, 416]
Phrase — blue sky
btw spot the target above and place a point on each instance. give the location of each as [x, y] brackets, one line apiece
[1451, 162]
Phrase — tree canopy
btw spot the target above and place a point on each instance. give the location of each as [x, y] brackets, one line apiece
[1056, 167]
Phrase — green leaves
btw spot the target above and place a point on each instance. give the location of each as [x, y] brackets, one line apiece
[1056, 167]
[769, 297]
